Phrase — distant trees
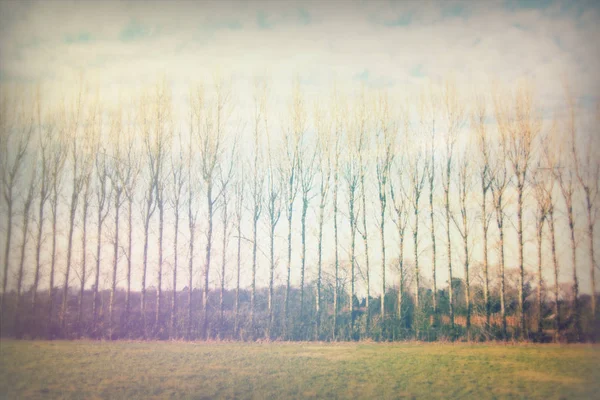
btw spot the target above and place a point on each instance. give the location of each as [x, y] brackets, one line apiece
[85, 182]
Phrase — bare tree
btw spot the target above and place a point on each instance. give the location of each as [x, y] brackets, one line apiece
[454, 118]
[463, 227]
[352, 172]
[45, 147]
[307, 169]
[386, 144]
[417, 175]
[274, 188]
[178, 180]
[151, 138]
[257, 190]
[521, 128]
[225, 176]
[500, 181]
[400, 202]
[291, 150]
[72, 120]
[196, 100]
[548, 186]
[131, 173]
[87, 166]
[587, 170]
[117, 184]
[427, 109]
[25, 234]
[16, 128]
[338, 126]
[363, 121]
[478, 125]
[543, 199]
[103, 195]
[324, 147]
[239, 213]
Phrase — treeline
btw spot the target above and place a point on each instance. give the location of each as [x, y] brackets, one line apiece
[358, 190]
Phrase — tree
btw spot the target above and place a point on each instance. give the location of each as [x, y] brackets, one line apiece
[478, 125]
[543, 200]
[239, 214]
[324, 148]
[16, 128]
[427, 109]
[117, 185]
[46, 147]
[454, 112]
[338, 126]
[400, 202]
[352, 172]
[307, 170]
[500, 181]
[151, 139]
[386, 143]
[417, 174]
[71, 123]
[178, 180]
[274, 187]
[25, 231]
[257, 190]
[462, 225]
[103, 195]
[363, 124]
[521, 127]
[587, 171]
[291, 144]
[92, 130]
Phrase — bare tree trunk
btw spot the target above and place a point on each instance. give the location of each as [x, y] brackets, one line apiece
[223, 262]
[161, 214]
[254, 249]
[9, 223]
[113, 286]
[500, 222]
[592, 259]
[144, 274]
[97, 272]
[540, 230]
[556, 271]
[63, 313]
[486, 277]
[336, 244]
[54, 204]
[520, 190]
[83, 262]
[303, 256]
[576, 310]
[210, 204]
[237, 280]
[239, 207]
[449, 243]
[365, 237]
[289, 258]
[352, 260]
[25, 227]
[129, 261]
[173, 332]
[44, 192]
[319, 266]
[192, 228]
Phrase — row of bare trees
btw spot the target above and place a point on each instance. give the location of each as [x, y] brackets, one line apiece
[149, 179]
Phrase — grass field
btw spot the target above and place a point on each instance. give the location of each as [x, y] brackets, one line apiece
[143, 370]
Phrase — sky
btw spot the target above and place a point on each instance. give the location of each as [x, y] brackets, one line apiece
[398, 46]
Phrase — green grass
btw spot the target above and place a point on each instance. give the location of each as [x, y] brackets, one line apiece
[145, 370]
